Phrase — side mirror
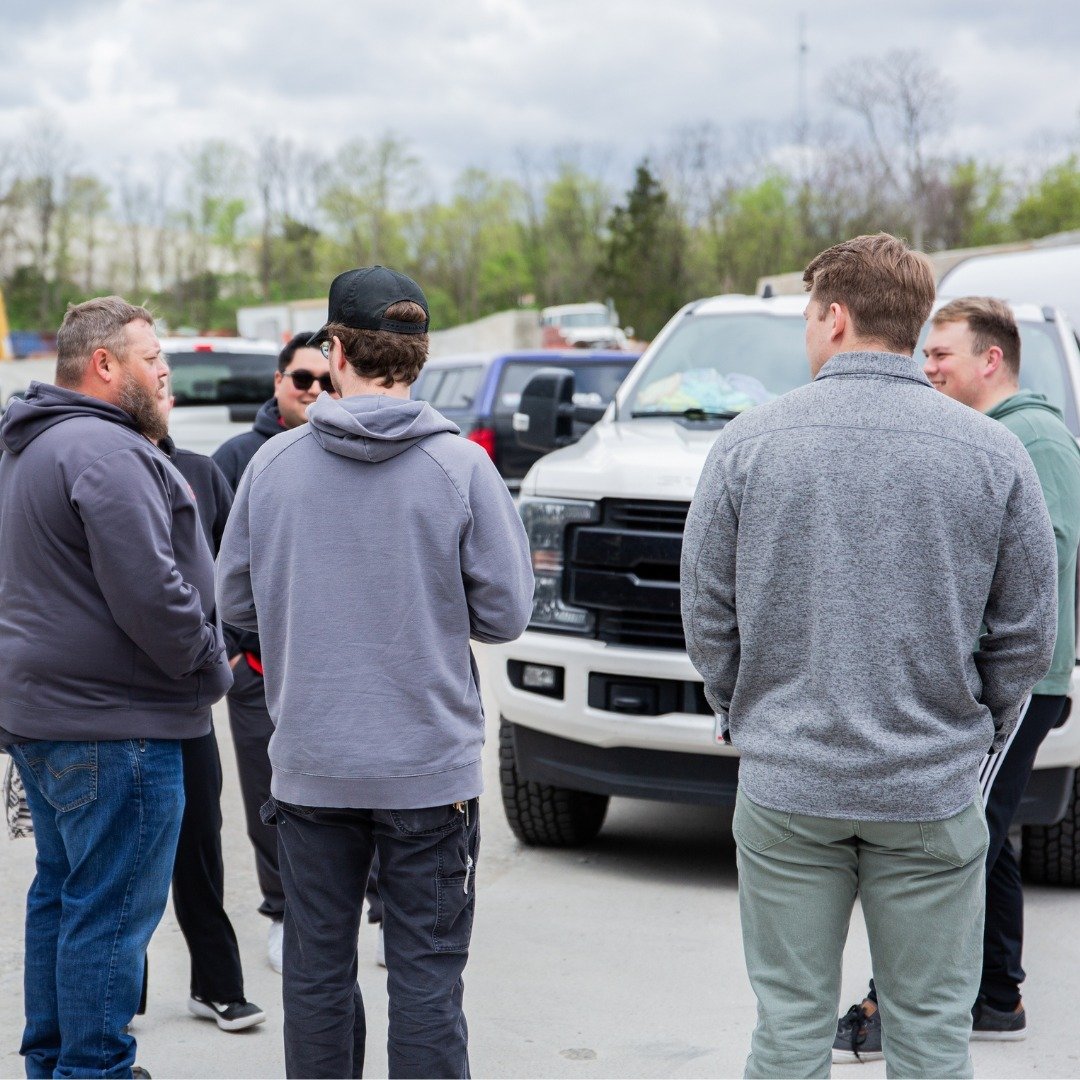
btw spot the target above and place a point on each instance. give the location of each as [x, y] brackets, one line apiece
[547, 417]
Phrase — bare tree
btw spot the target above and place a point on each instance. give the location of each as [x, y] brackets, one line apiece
[902, 103]
[49, 158]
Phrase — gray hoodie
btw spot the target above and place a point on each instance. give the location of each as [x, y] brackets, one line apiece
[844, 545]
[106, 581]
[366, 548]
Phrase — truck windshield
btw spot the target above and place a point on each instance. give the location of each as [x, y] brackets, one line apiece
[723, 364]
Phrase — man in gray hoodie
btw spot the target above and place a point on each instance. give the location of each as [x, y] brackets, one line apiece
[109, 656]
[847, 546]
[400, 542]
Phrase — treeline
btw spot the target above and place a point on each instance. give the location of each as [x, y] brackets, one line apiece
[223, 224]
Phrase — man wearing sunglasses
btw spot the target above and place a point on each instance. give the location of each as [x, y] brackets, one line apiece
[302, 374]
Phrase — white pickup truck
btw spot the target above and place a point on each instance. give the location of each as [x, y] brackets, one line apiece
[598, 697]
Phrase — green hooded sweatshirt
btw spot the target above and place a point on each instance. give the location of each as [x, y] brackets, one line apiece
[1053, 450]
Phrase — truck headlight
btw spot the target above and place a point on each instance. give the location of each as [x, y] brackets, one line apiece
[546, 521]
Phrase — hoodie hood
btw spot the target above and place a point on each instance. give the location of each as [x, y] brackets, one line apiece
[44, 407]
[1023, 399]
[268, 419]
[373, 427]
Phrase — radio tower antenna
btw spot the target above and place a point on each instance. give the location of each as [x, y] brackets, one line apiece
[801, 120]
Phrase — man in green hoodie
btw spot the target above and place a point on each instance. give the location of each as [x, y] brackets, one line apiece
[973, 356]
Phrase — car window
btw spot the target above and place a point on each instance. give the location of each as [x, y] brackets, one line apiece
[209, 377]
[724, 363]
[451, 387]
[595, 382]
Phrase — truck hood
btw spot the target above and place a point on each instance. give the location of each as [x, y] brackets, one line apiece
[644, 459]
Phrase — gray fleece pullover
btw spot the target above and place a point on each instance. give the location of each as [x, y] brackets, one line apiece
[366, 548]
[844, 546]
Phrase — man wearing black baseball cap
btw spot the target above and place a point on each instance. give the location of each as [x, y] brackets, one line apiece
[360, 299]
[404, 545]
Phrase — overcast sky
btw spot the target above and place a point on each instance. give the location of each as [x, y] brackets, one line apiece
[471, 83]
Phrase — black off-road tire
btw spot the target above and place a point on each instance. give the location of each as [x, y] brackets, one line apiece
[1050, 854]
[543, 815]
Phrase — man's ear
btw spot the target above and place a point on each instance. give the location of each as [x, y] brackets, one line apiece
[277, 379]
[840, 320]
[992, 360]
[104, 365]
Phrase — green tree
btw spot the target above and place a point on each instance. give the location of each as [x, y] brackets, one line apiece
[645, 255]
[470, 249]
[759, 234]
[1053, 205]
[369, 199]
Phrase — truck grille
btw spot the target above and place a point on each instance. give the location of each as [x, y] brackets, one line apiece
[625, 569]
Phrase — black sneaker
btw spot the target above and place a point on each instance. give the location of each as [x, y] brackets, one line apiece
[993, 1025]
[228, 1015]
[858, 1037]
[139, 1073]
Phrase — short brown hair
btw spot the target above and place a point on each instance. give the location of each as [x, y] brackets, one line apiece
[95, 324]
[383, 354]
[886, 286]
[991, 322]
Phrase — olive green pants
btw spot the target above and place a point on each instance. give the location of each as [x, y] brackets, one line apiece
[922, 890]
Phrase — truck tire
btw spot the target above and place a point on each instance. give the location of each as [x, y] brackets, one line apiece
[1050, 854]
[542, 815]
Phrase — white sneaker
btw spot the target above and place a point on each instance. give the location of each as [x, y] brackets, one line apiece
[274, 942]
[380, 948]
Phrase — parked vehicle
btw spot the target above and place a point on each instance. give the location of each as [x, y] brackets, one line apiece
[219, 384]
[1042, 275]
[481, 391]
[581, 326]
[598, 697]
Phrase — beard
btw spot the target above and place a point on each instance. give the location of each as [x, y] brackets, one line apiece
[142, 406]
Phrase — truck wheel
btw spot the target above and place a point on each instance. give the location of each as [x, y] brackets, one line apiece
[543, 815]
[1051, 853]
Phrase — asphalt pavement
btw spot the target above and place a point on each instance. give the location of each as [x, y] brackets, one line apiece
[622, 959]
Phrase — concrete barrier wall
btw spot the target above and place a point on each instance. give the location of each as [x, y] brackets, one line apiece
[497, 333]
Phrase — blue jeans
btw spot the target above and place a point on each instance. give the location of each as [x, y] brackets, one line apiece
[427, 861]
[106, 820]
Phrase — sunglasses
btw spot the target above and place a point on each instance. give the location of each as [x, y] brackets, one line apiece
[303, 380]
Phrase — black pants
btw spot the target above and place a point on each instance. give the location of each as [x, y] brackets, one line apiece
[251, 730]
[1003, 784]
[198, 883]
[427, 862]
[1003, 778]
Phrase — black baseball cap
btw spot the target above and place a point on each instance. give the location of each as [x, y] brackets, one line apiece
[359, 298]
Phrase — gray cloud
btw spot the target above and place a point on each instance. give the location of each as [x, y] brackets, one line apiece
[473, 83]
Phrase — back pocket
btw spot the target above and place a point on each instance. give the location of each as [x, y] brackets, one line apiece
[957, 840]
[65, 772]
[757, 827]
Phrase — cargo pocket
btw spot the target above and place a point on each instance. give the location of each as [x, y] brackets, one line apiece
[65, 772]
[960, 839]
[757, 827]
[455, 883]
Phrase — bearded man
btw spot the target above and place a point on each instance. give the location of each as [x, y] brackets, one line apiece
[109, 656]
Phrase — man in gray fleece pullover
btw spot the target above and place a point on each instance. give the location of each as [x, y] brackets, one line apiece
[847, 545]
[399, 542]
